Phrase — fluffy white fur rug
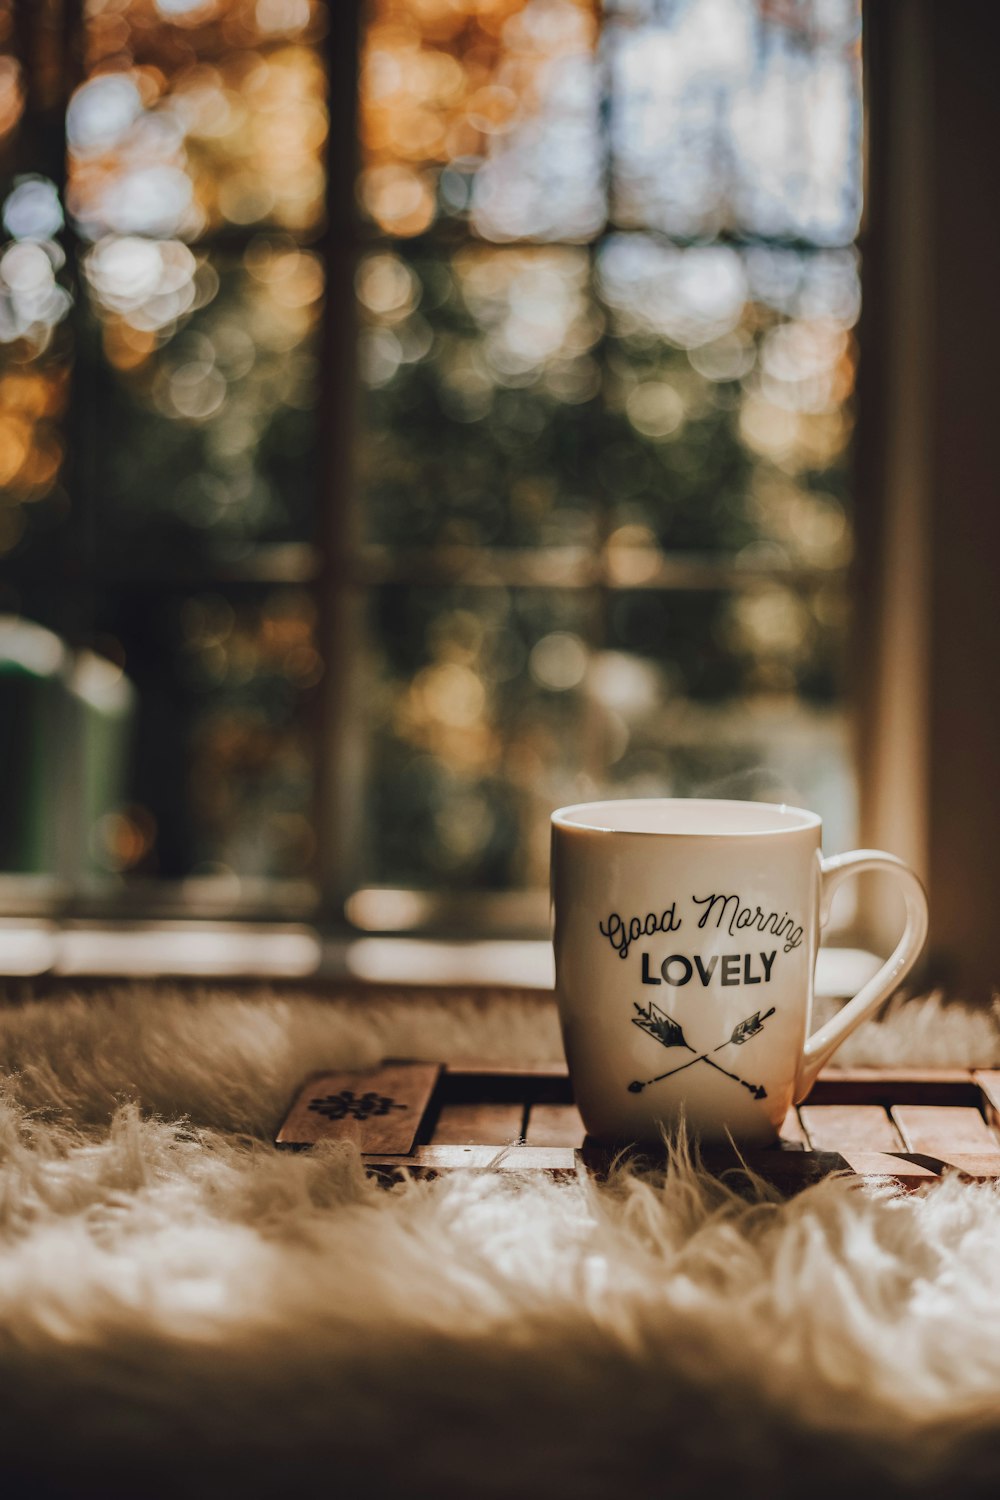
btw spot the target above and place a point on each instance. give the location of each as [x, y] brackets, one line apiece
[185, 1311]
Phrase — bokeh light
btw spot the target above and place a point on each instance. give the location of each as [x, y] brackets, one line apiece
[485, 111]
[477, 725]
[11, 79]
[733, 115]
[477, 367]
[210, 380]
[723, 115]
[223, 683]
[197, 368]
[197, 116]
[731, 372]
[35, 302]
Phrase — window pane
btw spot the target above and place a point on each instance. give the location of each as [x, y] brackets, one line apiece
[728, 389]
[770, 638]
[478, 368]
[483, 112]
[793, 753]
[729, 695]
[198, 116]
[206, 373]
[733, 115]
[223, 763]
[705, 405]
[479, 727]
[35, 360]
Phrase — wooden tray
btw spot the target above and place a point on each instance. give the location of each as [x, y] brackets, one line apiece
[902, 1125]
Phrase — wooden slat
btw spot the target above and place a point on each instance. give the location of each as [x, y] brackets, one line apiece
[937, 1130]
[896, 1076]
[465, 1085]
[887, 1086]
[515, 1159]
[904, 1169]
[478, 1069]
[478, 1125]
[988, 1080]
[554, 1125]
[380, 1110]
[850, 1127]
[977, 1166]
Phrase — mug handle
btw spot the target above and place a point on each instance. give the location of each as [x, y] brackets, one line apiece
[820, 1047]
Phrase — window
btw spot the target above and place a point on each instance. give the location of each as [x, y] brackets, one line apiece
[162, 381]
[594, 534]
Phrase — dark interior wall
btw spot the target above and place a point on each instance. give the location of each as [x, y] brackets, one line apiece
[928, 644]
[964, 827]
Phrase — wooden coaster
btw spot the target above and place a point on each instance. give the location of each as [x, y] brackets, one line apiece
[379, 1110]
[903, 1126]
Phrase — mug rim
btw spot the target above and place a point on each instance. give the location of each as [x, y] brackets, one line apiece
[799, 819]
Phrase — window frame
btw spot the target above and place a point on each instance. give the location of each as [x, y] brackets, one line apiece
[340, 570]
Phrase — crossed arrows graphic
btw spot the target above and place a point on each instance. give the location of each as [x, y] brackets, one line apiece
[669, 1033]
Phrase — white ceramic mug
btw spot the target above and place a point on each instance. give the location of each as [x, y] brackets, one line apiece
[685, 935]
